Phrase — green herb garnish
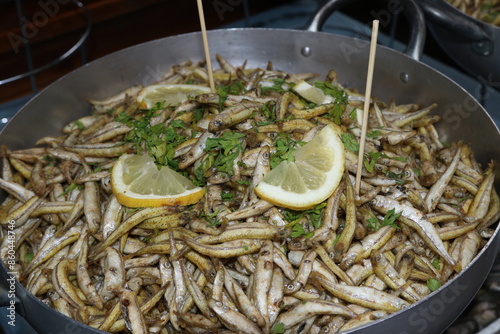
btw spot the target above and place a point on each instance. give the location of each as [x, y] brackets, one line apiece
[79, 125]
[373, 134]
[436, 263]
[389, 220]
[225, 149]
[212, 219]
[298, 231]
[314, 215]
[279, 328]
[350, 142]
[72, 187]
[28, 257]
[339, 102]
[433, 284]
[398, 177]
[285, 146]
[227, 196]
[158, 140]
[278, 86]
[236, 88]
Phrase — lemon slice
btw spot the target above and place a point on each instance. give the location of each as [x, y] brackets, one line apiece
[171, 94]
[312, 93]
[136, 182]
[311, 178]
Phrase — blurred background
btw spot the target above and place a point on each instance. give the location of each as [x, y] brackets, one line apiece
[37, 33]
[52, 27]
[42, 40]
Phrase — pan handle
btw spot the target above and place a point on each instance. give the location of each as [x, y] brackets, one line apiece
[412, 11]
[446, 16]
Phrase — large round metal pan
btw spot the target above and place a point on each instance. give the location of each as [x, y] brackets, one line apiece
[396, 76]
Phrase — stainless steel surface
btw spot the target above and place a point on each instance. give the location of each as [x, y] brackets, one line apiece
[473, 44]
[463, 118]
[414, 16]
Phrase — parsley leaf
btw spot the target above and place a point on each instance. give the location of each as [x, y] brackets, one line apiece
[203, 167]
[268, 110]
[373, 223]
[433, 284]
[79, 125]
[158, 140]
[396, 177]
[227, 196]
[336, 241]
[225, 150]
[71, 187]
[279, 328]
[285, 146]
[313, 215]
[28, 257]
[389, 220]
[340, 100]
[212, 219]
[236, 88]
[350, 142]
[370, 160]
[298, 231]
[373, 134]
[402, 159]
[279, 85]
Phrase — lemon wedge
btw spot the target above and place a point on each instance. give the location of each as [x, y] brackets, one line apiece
[171, 94]
[311, 178]
[312, 93]
[136, 182]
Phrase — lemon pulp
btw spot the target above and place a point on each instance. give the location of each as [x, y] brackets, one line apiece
[311, 178]
[136, 181]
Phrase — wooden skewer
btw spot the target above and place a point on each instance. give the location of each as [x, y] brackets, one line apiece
[205, 46]
[369, 79]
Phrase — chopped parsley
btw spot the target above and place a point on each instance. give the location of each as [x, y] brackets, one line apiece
[298, 231]
[225, 149]
[398, 177]
[370, 160]
[212, 219]
[279, 85]
[314, 218]
[350, 142]
[279, 328]
[285, 146]
[236, 88]
[339, 103]
[268, 110]
[72, 187]
[227, 196]
[158, 140]
[79, 125]
[389, 220]
[314, 215]
[373, 134]
[28, 257]
[433, 284]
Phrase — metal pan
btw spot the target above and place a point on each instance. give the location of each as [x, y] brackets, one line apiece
[397, 76]
[473, 44]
